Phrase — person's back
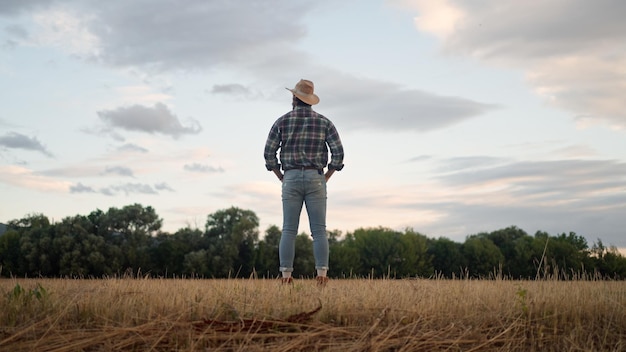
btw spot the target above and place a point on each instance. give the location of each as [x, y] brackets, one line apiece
[303, 137]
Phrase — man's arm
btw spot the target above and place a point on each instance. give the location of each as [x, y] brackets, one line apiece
[279, 174]
[271, 147]
[336, 150]
[329, 173]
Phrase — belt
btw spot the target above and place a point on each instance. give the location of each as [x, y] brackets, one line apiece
[306, 168]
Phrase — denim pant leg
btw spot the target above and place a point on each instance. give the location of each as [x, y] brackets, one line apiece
[315, 200]
[293, 198]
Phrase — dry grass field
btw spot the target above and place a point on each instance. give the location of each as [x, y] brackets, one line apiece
[347, 315]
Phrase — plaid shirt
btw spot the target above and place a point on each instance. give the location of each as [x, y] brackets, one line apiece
[302, 135]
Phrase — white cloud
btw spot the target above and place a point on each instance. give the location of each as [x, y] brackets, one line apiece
[587, 85]
[157, 119]
[80, 188]
[559, 193]
[80, 170]
[26, 178]
[362, 103]
[440, 17]
[196, 167]
[236, 90]
[65, 30]
[573, 52]
[118, 170]
[165, 35]
[130, 188]
[582, 184]
[142, 161]
[132, 148]
[163, 186]
[257, 40]
[485, 194]
[16, 140]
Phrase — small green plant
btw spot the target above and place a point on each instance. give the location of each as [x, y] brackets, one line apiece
[22, 302]
[17, 292]
[26, 296]
[39, 292]
[522, 296]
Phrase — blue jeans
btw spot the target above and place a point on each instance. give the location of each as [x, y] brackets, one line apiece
[303, 187]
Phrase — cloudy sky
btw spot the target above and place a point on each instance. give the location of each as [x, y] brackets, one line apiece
[457, 116]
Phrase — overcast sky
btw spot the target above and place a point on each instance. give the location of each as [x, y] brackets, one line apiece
[457, 117]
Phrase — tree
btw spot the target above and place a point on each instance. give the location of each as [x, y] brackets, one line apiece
[232, 235]
[608, 261]
[80, 251]
[565, 254]
[105, 243]
[387, 253]
[133, 219]
[266, 262]
[304, 261]
[344, 260]
[11, 254]
[525, 259]
[483, 258]
[168, 252]
[376, 250]
[196, 263]
[36, 236]
[574, 252]
[413, 253]
[447, 259]
[511, 242]
[130, 229]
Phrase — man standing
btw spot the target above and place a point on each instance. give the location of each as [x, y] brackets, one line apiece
[303, 136]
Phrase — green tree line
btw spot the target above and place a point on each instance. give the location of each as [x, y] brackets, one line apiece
[119, 241]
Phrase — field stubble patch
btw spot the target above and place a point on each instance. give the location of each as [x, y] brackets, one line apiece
[347, 315]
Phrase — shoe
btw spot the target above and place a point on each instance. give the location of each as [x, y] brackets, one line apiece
[321, 281]
[286, 280]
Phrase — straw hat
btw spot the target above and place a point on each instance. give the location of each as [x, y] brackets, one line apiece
[304, 91]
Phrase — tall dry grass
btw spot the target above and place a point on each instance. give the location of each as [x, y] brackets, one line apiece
[348, 315]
